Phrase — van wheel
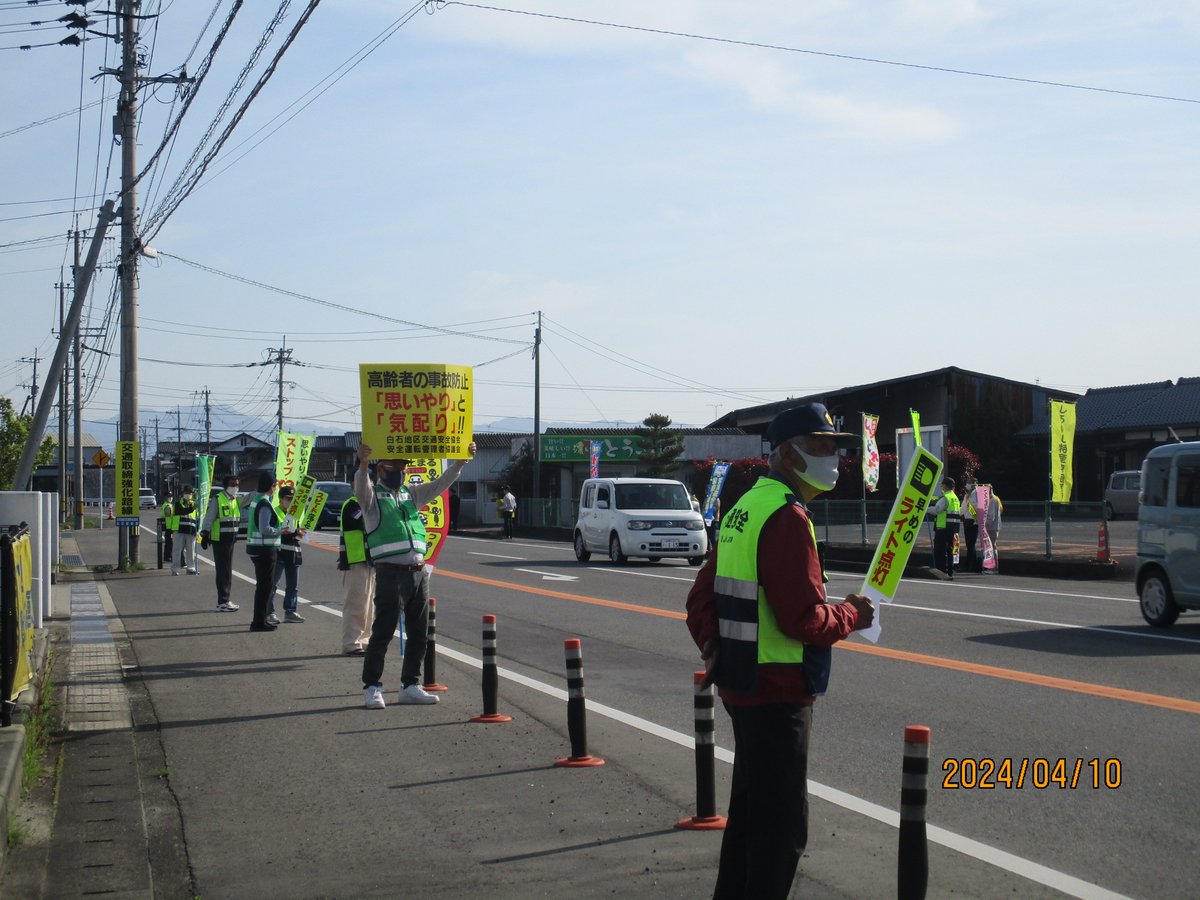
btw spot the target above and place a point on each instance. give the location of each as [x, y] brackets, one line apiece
[1158, 606]
[614, 551]
[653, 558]
[1108, 511]
[695, 560]
[581, 551]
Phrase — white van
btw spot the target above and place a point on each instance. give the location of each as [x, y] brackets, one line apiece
[1168, 540]
[646, 517]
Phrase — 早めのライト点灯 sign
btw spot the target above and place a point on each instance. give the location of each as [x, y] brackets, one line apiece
[416, 410]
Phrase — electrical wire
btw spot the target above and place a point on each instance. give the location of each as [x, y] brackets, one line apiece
[439, 4]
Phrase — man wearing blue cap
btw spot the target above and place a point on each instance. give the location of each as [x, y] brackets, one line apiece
[759, 615]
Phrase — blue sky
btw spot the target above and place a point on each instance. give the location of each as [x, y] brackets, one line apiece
[705, 225]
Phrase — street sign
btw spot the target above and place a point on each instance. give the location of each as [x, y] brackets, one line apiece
[101, 458]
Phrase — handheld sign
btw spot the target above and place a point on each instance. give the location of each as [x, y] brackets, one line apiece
[313, 513]
[900, 533]
[433, 513]
[304, 489]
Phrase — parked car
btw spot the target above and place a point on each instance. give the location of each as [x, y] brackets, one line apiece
[339, 492]
[645, 517]
[1168, 534]
[1121, 495]
[146, 499]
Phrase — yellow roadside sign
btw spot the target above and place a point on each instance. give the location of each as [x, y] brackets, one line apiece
[101, 458]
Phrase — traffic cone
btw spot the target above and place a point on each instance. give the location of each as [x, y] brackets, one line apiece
[1102, 554]
[110, 516]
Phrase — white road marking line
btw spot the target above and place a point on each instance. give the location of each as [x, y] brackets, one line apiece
[550, 576]
[641, 574]
[1001, 859]
[494, 555]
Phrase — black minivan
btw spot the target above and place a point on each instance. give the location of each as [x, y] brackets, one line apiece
[339, 492]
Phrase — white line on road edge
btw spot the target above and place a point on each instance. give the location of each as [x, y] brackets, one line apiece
[494, 555]
[641, 574]
[1001, 859]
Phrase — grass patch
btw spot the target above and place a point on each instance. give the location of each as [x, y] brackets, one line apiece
[39, 721]
[16, 832]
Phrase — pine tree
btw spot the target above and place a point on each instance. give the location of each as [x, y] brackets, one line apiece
[661, 446]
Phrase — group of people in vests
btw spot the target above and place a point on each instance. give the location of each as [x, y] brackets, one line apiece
[948, 512]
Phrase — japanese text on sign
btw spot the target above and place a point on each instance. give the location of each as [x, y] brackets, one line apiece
[128, 475]
[417, 410]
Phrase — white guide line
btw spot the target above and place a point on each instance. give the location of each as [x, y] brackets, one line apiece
[493, 555]
[1036, 872]
[640, 574]
[1061, 881]
[996, 587]
[1149, 635]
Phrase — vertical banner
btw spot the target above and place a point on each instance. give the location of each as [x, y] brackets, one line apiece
[900, 534]
[870, 458]
[984, 494]
[292, 454]
[916, 420]
[204, 480]
[433, 514]
[716, 481]
[17, 589]
[128, 481]
[416, 410]
[1062, 449]
[595, 459]
[304, 491]
[313, 514]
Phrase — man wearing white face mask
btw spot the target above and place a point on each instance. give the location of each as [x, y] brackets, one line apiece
[759, 614]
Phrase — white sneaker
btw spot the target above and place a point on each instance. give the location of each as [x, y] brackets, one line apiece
[414, 693]
[227, 607]
[174, 571]
[272, 619]
[292, 616]
[373, 697]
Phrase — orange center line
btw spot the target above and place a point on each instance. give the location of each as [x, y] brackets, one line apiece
[1177, 704]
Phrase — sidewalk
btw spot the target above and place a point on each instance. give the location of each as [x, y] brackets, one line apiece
[200, 760]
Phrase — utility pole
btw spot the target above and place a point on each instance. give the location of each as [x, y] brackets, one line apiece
[282, 355]
[31, 401]
[157, 460]
[207, 423]
[63, 387]
[537, 407]
[178, 452]
[42, 414]
[143, 431]
[75, 273]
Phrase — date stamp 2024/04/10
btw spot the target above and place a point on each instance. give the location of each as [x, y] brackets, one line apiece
[1008, 773]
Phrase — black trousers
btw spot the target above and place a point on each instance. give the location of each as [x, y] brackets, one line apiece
[398, 588]
[264, 583]
[971, 534]
[223, 563]
[767, 829]
[943, 549]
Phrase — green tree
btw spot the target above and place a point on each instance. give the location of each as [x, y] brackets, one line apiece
[518, 474]
[661, 446]
[14, 430]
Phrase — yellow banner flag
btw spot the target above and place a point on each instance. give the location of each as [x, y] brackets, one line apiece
[416, 410]
[292, 454]
[1062, 450]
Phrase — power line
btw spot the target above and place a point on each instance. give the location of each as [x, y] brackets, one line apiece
[845, 56]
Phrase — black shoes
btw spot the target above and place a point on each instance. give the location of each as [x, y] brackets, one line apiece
[256, 626]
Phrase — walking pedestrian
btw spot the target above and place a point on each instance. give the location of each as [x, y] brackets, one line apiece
[184, 557]
[262, 544]
[220, 530]
[509, 512]
[358, 579]
[288, 562]
[760, 616]
[397, 539]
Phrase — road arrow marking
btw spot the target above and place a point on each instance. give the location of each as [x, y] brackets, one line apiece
[550, 576]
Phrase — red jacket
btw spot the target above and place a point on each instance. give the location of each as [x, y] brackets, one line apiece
[790, 573]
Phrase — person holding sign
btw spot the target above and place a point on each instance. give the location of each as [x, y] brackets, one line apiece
[397, 540]
[184, 557]
[263, 537]
[759, 614]
[946, 516]
[287, 564]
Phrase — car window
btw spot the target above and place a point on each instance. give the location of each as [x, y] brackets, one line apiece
[1157, 473]
[652, 496]
[1187, 483]
[589, 496]
[602, 495]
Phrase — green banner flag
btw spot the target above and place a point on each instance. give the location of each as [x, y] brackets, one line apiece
[204, 479]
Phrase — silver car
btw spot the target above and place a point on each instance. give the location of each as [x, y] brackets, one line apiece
[1121, 495]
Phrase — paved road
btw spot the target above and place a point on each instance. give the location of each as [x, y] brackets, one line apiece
[286, 786]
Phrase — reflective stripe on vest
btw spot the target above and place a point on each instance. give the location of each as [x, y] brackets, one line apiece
[750, 635]
[229, 516]
[400, 529]
[255, 539]
[352, 541]
[185, 517]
